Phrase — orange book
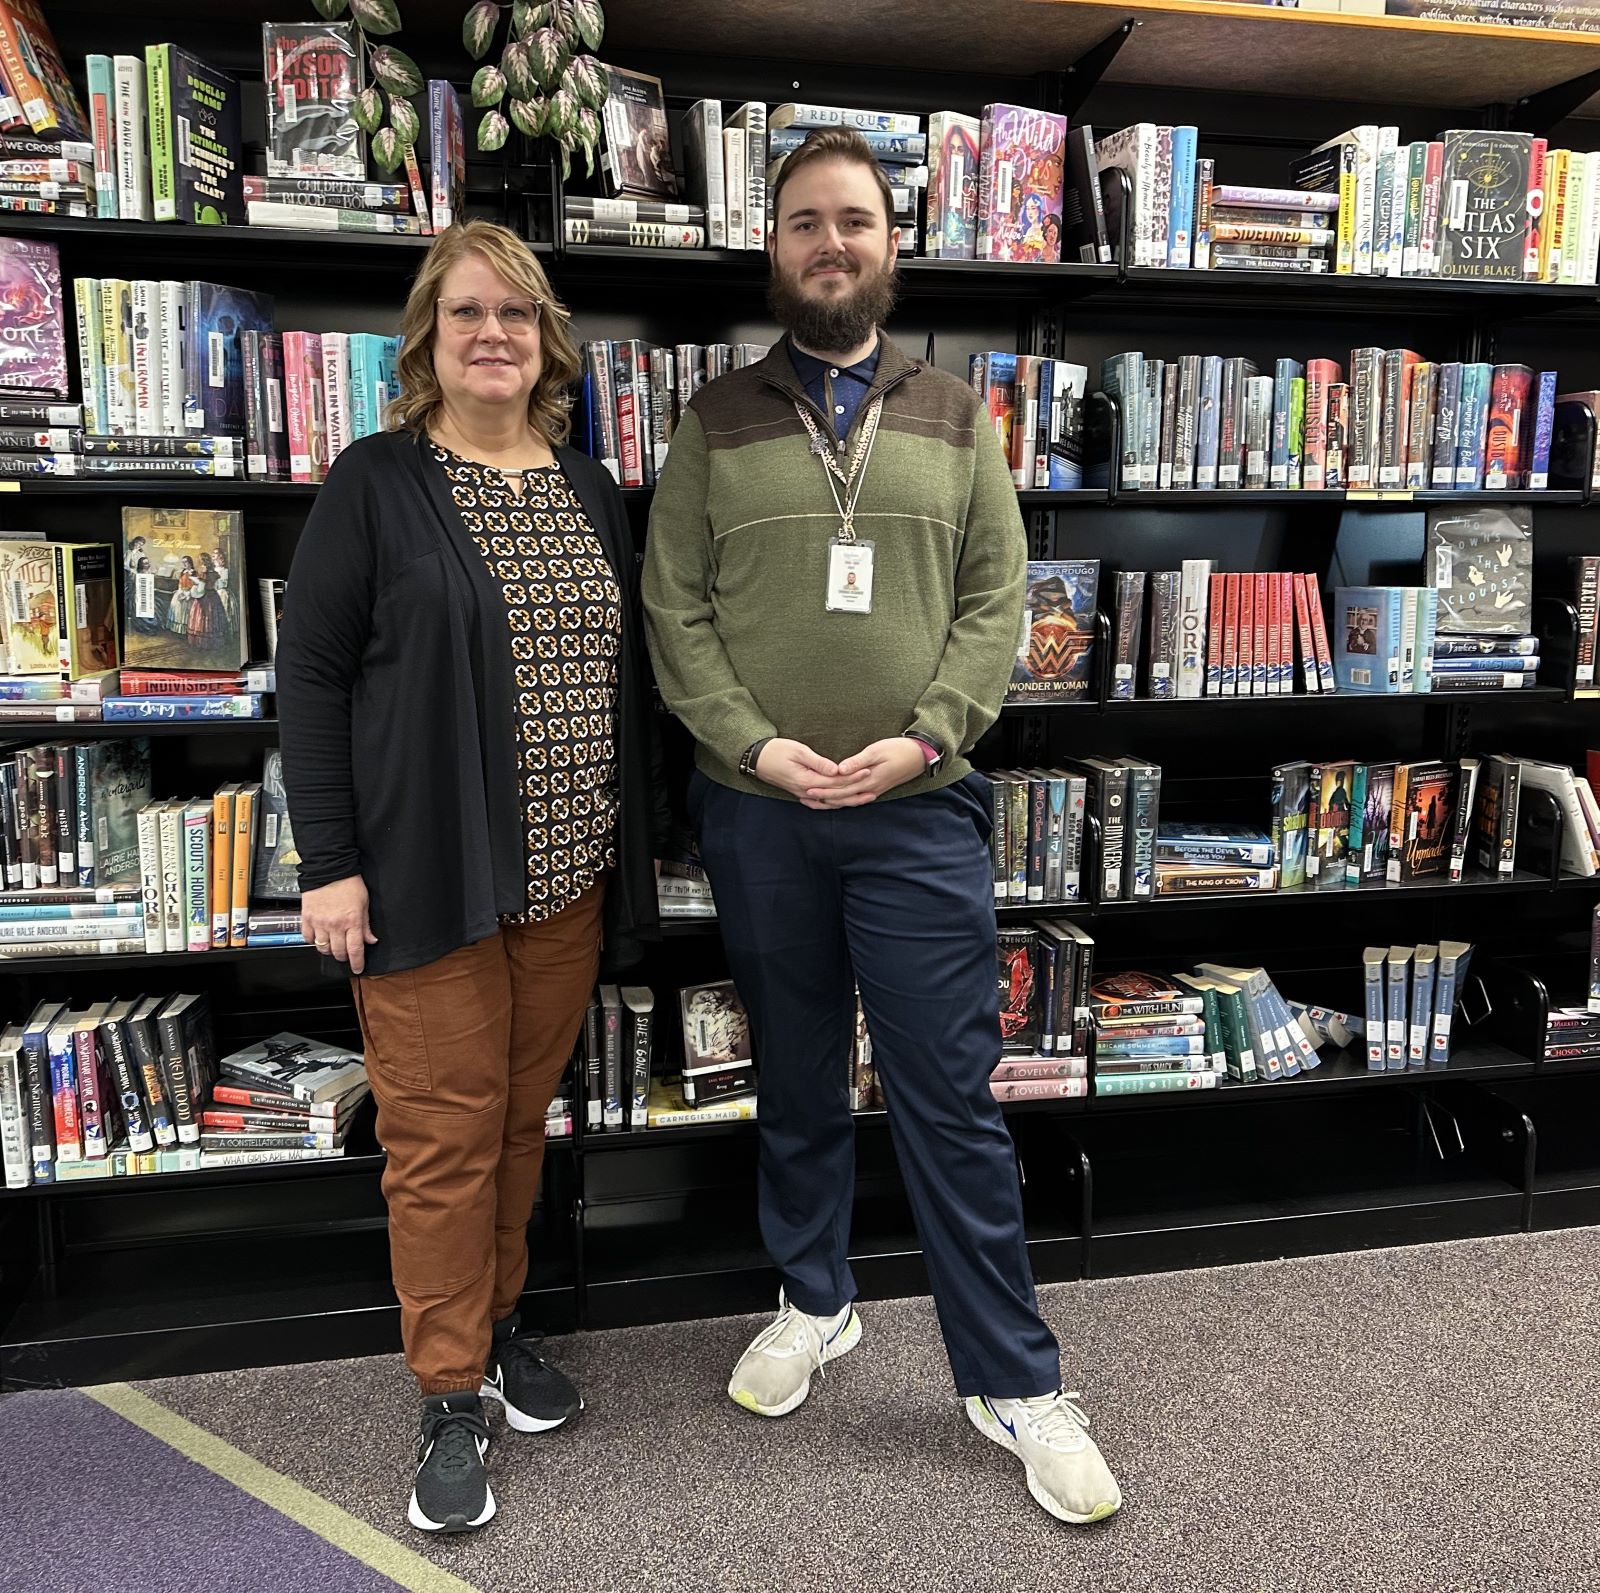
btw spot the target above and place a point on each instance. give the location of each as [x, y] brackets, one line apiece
[34, 71]
[222, 862]
[246, 804]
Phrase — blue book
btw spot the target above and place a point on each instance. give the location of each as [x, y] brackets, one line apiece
[1208, 423]
[1427, 635]
[372, 380]
[1422, 971]
[1284, 374]
[1454, 956]
[68, 912]
[891, 149]
[243, 705]
[1373, 959]
[1447, 407]
[1397, 990]
[1215, 844]
[1472, 425]
[1544, 421]
[1367, 638]
[1520, 664]
[215, 319]
[1152, 1045]
[1180, 210]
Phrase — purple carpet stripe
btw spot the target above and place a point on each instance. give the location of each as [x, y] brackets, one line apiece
[100, 1504]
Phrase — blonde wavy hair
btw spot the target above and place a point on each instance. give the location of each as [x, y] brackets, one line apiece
[499, 247]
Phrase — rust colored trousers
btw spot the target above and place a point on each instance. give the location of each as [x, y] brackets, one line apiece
[464, 1055]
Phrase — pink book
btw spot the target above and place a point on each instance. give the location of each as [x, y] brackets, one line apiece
[1021, 180]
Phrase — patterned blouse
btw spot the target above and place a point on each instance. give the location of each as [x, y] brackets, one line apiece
[564, 608]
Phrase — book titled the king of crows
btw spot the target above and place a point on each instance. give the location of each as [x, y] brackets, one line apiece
[1485, 215]
[1055, 656]
[308, 1070]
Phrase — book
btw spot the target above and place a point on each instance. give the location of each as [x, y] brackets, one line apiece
[215, 318]
[33, 338]
[1368, 638]
[806, 115]
[1054, 659]
[1021, 179]
[716, 1041]
[1480, 561]
[28, 607]
[447, 155]
[1484, 219]
[86, 608]
[196, 145]
[184, 589]
[704, 180]
[954, 160]
[640, 1006]
[277, 862]
[307, 1070]
[313, 73]
[637, 154]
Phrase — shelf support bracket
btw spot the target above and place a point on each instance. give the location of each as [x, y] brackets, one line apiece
[1067, 90]
[1538, 113]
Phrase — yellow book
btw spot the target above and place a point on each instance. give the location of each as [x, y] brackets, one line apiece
[246, 803]
[222, 863]
[666, 1109]
[116, 349]
[86, 608]
[1345, 249]
[1553, 239]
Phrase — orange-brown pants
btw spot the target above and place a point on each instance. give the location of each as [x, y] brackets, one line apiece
[464, 1055]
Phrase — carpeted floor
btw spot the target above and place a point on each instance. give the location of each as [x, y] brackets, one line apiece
[1403, 1420]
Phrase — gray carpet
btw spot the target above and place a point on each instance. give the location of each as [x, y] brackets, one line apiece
[1402, 1420]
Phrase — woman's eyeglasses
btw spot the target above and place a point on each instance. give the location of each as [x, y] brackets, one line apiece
[517, 317]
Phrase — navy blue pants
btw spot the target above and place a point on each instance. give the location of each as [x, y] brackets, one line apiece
[895, 897]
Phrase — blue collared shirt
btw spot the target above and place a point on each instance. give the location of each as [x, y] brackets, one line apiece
[848, 382]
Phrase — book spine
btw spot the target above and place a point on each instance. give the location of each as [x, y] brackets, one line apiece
[245, 809]
[176, 1081]
[1442, 474]
[1543, 432]
[102, 123]
[172, 902]
[197, 880]
[150, 877]
[91, 360]
[158, 98]
[64, 1095]
[1216, 645]
[221, 892]
[170, 320]
[133, 176]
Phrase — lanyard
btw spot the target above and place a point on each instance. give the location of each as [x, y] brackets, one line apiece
[856, 478]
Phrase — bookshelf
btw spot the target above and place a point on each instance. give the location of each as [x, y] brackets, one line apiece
[210, 1270]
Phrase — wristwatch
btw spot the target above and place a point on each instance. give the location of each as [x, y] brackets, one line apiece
[931, 750]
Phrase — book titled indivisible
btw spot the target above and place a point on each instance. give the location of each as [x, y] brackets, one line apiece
[1056, 651]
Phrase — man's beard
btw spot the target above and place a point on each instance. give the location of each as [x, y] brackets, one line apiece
[837, 324]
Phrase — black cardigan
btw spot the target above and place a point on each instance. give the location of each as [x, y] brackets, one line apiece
[396, 694]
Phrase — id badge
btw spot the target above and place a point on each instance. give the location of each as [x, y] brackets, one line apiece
[849, 577]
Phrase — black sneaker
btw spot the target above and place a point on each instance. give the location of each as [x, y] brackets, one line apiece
[451, 1493]
[536, 1395]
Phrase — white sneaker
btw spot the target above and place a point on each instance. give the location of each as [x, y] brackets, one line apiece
[774, 1375]
[1066, 1473]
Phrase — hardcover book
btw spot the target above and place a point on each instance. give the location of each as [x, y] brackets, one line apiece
[447, 153]
[86, 606]
[638, 152]
[308, 1070]
[1020, 185]
[1423, 820]
[195, 139]
[276, 873]
[1056, 653]
[1484, 218]
[716, 1029]
[117, 776]
[33, 337]
[215, 319]
[184, 589]
[28, 599]
[1021, 1000]
[313, 73]
[1480, 561]
[953, 161]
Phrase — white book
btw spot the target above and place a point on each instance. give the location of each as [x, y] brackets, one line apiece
[900, 123]
[16, 1154]
[91, 359]
[1577, 852]
[1400, 179]
[735, 177]
[752, 118]
[1591, 809]
[1369, 143]
[196, 819]
[170, 316]
[1193, 590]
[1133, 150]
[1382, 214]
[1408, 638]
[133, 147]
[1589, 225]
[336, 390]
[173, 928]
[150, 875]
[703, 171]
[116, 349]
[145, 330]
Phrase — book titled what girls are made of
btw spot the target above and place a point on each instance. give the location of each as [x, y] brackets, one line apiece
[184, 589]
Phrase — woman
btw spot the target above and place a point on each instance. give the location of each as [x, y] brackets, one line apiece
[471, 771]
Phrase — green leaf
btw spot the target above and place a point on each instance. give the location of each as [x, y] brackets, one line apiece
[387, 150]
[367, 109]
[528, 116]
[562, 117]
[588, 127]
[528, 16]
[493, 131]
[376, 16]
[329, 8]
[396, 71]
[477, 28]
[519, 72]
[566, 24]
[591, 20]
[566, 163]
[404, 120]
[548, 58]
[488, 86]
[588, 80]
[588, 158]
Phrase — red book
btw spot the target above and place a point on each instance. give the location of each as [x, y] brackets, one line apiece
[1285, 580]
[1260, 660]
[1216, 645]
[1274, 631]
[1319, 633]
[1247, 633]
[624, 381]
[1533, 233]
[1309, 680]
[1336, 467]
[167, 683]
[1230, 635]
[1320, 375]
[1510, 434]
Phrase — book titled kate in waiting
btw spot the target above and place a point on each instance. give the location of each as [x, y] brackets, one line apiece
[1055, 656]
[184, 589]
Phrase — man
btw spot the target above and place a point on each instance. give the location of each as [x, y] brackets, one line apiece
[833, 590]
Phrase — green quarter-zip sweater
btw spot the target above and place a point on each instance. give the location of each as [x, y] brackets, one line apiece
[736, 565]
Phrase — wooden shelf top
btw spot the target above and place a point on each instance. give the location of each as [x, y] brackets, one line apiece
[1252, 49]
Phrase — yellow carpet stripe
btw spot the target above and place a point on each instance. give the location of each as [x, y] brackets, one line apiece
[289, 1498]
